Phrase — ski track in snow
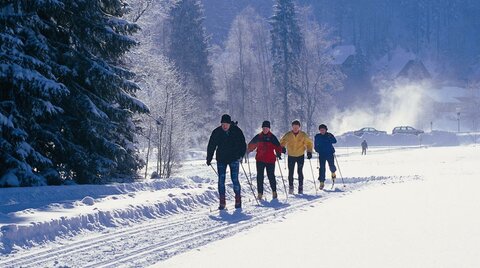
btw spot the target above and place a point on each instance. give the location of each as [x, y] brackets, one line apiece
[159, 239]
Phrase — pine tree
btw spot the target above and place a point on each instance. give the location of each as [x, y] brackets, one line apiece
[287, 42]
[66, 105]
[188, 46]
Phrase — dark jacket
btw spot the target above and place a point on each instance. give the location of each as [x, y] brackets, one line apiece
[230, 145]
[364, 145]
[266, 145]
[323, 144]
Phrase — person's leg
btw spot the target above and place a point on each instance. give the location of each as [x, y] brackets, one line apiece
[291, 168]
[271, 177]
[260, 176]
[321, 177]
[222, 170]
[300, 162]
[234, 168]
[331, 164]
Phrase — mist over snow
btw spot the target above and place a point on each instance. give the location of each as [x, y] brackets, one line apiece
[404, 103]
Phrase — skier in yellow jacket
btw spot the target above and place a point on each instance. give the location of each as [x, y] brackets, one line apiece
[296, 142]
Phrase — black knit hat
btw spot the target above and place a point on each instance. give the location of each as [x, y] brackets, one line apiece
[266, 124]
[322, 126]
[296, 122]
[226, 119]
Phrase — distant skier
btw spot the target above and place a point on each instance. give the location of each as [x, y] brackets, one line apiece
[268, 147]
[296, 142]
[364, 147]
[229, 142]
[324, 147]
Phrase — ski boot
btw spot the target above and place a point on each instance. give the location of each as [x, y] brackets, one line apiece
[259, 196]
[238, 201]
[322, 184]
[274, 195]
[222, 203]
[290, 189]
[300, 189]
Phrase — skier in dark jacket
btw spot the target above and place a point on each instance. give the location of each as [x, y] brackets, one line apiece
[268, 148]
[324, 147]
[229, 142]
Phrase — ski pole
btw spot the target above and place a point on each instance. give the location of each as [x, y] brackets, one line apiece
[313, 176]
[248, 164]
[249, 171]
[214, 170]
[250, 183]
[339, 171]
[283, 180]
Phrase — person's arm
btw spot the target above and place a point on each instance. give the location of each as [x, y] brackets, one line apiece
[284, 142]
[317, 143]
[277, 147]
[242, 144]
[252, 145]
[308, 143]
[212, 145]
[332, 138]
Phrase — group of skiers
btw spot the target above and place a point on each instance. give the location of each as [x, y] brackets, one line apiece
[229, 143]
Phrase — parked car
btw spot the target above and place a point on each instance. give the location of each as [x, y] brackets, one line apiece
[406, 130]
[370, 130]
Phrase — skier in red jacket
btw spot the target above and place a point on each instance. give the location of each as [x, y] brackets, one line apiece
[268, 147]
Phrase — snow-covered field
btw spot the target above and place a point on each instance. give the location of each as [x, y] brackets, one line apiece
[401, 207]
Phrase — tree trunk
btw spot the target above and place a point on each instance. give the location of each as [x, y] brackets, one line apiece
[148, 148]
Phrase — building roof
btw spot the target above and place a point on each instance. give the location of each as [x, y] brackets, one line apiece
[341, 53]
[414, 70]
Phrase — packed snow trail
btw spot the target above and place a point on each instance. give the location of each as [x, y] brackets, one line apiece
[158, 238]
[432, 222]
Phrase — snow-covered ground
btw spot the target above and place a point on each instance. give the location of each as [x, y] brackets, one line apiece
[432, 222]
[401, 207]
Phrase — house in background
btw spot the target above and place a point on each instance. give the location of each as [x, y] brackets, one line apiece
[414, 70]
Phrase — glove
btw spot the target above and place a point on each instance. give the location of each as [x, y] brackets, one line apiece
[309, 155]
[279, 156]
[209, 162]
[284, 150]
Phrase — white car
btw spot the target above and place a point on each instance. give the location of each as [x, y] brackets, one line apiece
[407, 130]
[370, 130]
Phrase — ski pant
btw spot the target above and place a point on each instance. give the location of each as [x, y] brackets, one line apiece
[364, 151]
[331, 165]
[261, 166]
[299, 160]
[222, 172]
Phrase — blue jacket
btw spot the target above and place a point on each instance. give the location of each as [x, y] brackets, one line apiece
[323, 144]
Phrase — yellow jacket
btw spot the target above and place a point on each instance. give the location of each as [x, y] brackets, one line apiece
[296, 144]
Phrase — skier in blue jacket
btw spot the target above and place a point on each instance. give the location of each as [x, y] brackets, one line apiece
[324, 147]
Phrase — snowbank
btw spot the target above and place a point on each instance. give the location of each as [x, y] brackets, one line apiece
[30, 216]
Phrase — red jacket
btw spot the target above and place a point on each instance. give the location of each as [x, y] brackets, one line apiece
[266, 145]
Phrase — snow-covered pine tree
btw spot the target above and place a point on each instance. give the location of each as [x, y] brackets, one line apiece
[66, 102]
[188, 47]
[30, 95]
[287, 43]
